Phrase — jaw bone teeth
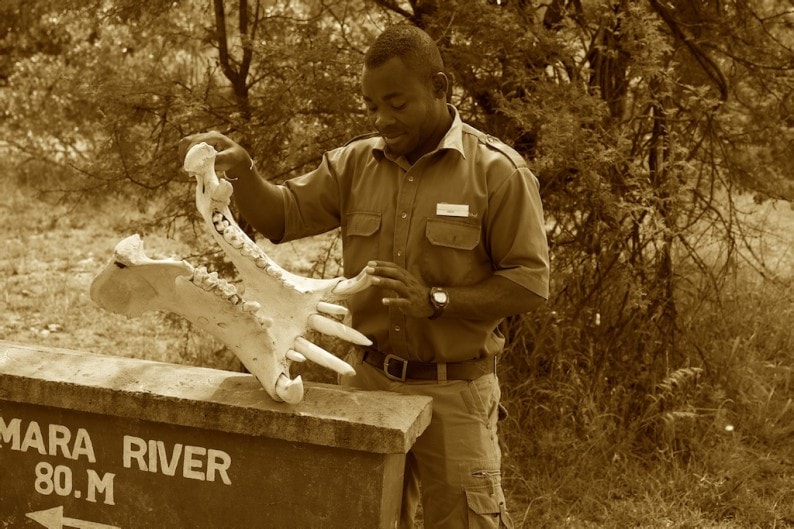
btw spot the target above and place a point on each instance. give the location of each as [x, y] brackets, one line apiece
[251, 306]
[201, 278]
[250, 250]
[320, 356]
[332, 309]
[226, 289]
[290, 391]
[264, 321]
[295, 356]
[334, 328]
[233, 236]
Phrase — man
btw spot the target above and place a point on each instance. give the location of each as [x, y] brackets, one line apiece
[448, 222]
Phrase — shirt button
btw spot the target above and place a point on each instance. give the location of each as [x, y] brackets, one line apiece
[399, 253]
[403, 215]
[396, 328]
[410, 178]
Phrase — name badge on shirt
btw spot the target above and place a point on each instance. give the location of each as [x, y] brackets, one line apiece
[452, 210]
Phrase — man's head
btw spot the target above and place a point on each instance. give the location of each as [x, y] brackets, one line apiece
[410, 44]
[404, 88]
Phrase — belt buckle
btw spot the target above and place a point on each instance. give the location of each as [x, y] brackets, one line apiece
[387, 360]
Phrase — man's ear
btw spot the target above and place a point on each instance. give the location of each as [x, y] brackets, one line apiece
[440, 83]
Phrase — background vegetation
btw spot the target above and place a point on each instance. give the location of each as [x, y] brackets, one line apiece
[653, 390]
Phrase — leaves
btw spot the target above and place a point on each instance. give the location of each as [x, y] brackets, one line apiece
[638, 119]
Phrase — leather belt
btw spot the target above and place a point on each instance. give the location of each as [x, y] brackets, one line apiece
[397, 368]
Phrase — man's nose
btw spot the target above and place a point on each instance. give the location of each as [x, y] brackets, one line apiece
[382, 119]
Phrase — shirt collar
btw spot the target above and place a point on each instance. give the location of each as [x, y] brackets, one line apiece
[452, 140]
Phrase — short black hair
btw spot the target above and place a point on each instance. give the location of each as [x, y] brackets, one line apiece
[413, 46]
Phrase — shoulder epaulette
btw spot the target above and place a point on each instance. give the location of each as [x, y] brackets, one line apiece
[498, 145]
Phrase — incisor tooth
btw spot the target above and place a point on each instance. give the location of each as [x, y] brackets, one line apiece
[251, 306]
[331, 308]
[295, 356]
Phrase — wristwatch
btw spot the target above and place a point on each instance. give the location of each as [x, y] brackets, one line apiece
[439, 299]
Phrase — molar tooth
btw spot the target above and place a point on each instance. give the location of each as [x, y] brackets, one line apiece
[227, 289]
[261, 262]
[232, 235]
[249, 250]
[207, 281]
[202, 279]
[217, 217]
[198, 273]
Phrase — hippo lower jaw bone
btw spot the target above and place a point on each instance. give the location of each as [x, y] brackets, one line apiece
[265, 327]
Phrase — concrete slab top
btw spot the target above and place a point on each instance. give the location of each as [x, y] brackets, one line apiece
[329, 415]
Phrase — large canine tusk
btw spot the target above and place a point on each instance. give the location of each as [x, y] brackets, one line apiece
[320, 356]
[340, 330]
[353, 285]
[290, 391]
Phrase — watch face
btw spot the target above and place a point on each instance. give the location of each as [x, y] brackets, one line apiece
[440, 297]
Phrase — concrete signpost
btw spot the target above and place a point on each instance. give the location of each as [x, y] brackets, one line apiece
[100, 442]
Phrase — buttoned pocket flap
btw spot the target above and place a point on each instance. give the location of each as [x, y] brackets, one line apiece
[453, 234]
[363, 223]
[482, 502]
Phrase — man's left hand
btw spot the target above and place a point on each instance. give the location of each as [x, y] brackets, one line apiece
[404, 290]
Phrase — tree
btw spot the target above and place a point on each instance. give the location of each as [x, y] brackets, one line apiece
[639, 119]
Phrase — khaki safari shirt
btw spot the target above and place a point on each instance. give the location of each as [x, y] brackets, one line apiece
[460, 214]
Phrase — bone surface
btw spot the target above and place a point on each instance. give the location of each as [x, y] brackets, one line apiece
[265, 325]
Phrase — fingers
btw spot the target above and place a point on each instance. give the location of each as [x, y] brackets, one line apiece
[213, 138]
[230, 154]
[388, 276]
[405, 291]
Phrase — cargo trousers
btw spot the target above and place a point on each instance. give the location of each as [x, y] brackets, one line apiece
[454, 468]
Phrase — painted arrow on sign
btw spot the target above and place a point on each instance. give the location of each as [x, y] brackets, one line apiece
[54, 519]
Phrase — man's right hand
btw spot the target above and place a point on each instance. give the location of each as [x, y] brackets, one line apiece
[231, 156]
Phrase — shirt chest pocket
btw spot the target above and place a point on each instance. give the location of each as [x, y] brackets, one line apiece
[454, 254]
[361, 244]
[452, 234]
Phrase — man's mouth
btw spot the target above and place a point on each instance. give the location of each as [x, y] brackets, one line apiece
[393, 140]
[392, 136]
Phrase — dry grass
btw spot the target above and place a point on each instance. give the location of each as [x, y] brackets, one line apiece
[724, 453]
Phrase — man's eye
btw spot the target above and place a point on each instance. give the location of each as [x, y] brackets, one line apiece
[399, 107]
